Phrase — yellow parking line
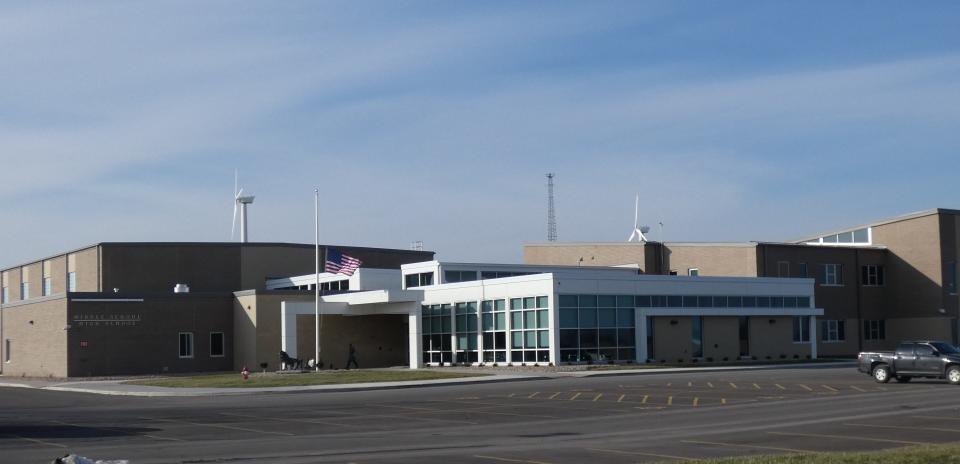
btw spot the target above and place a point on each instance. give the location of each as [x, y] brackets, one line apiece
[690, 384]
[780, 386]
[738, 445]
[621, 398]
[848, 437]
[575, 396]
[495, 458]
[723, 401]
[805, 387]
[595, 398]
[858, 388]
[669, 384]
[511, 395]
[555, 395]
[932, 429]
[669, 401]
[645, 398]
[696, 402]
[532, 395]
[755, 386]
[641, 453]
[710, 384]
[733, 385]
[828, 387]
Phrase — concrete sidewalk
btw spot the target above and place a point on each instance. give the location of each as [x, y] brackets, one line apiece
[117, 387]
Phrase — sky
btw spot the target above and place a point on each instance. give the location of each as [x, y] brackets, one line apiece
[437, 121]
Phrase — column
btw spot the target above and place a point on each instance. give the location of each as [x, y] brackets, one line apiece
[415, 337]
[813, 337]
[640, 335]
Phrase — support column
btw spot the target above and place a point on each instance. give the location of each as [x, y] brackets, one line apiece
[813, 337]
[640, 335]
[415, 338]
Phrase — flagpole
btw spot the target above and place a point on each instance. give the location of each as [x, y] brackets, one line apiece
[316, 284]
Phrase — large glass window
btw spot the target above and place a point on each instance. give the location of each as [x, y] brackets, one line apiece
[466, 320]
[494, 326]
[24, 290]
[71, 281]
[598, 328]
[437, 330]
[47, 286]
[530, 329]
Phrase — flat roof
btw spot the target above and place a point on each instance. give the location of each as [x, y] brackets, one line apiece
[903, 217]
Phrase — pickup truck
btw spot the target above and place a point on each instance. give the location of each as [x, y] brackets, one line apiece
[925, 358]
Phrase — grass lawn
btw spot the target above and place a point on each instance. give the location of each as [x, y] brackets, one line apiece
[291, 380]
[938, 454]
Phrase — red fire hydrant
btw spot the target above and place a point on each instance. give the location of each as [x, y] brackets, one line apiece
[245, 373]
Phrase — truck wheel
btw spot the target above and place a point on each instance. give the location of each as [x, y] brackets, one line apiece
[953, 374]
[902, 379]
[881, 373]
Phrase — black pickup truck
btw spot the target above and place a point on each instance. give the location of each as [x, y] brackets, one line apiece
[912, 359]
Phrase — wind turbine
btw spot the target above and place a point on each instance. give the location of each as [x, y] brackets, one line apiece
[638, 231]
[240, 201]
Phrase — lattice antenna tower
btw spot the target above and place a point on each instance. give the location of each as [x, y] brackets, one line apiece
[551, 213]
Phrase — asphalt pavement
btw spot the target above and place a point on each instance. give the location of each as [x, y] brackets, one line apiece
[616, 419]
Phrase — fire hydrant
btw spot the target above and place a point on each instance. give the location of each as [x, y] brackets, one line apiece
[245, 373]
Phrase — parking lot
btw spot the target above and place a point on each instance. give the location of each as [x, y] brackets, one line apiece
[637, 418]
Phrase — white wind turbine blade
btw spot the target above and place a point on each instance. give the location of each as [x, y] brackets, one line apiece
[636, 212]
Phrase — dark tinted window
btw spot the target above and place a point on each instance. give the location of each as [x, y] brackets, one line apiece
[945, 348]
[905, 349]
[924, 350]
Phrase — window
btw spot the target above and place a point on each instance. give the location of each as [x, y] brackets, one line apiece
[216, 344]
[802, 270]
[833, 331]
[871, 275]
[874, 330]
[598, 328]
[693, 272]
[783, 269]
[530, 328]
[186, 344]
[494, 326]
[831, 274]
[5, 295]
[450, 277]
[47, 286]
[673, 272]
[801, 329]
[697, 336]
[466, 332]
[419, 280]
[71, 281]
[437, 329]
[24, 290]
[6, 351]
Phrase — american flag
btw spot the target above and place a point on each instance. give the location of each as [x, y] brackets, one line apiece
[339, 263]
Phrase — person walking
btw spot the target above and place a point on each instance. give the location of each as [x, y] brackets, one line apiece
[352, 358]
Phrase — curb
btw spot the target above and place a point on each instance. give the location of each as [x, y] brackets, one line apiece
[169, 392]
[694, 370]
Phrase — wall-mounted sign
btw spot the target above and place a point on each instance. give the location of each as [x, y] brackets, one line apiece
[106, 320]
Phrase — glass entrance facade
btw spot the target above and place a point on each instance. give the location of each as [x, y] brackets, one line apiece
[597, 328]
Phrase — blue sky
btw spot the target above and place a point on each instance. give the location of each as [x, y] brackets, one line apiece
[436, 121]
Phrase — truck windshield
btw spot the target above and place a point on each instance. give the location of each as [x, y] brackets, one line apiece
[945, 348]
